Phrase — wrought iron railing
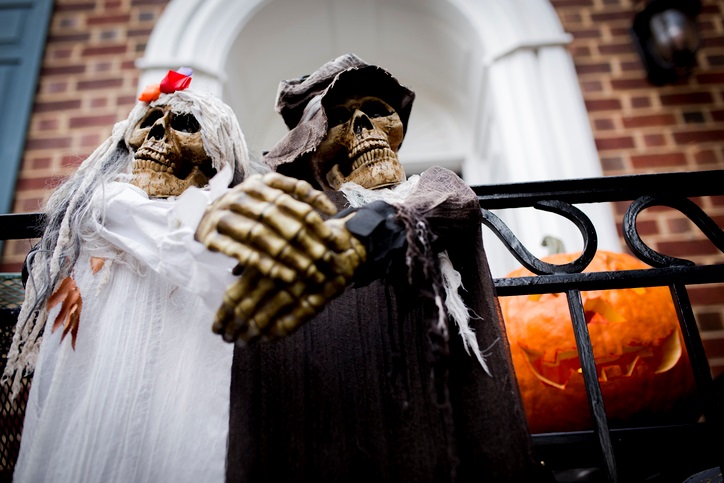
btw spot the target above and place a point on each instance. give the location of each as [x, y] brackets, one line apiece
[699, 445]
[616, 453]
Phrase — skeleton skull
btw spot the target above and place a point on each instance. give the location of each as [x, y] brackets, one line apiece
[361, 145]
[169, 153]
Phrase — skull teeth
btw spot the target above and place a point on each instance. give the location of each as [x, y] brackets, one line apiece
[369, 157]
[365, 173]
[369, 144]
[152, 159]
[152, 151]
[159, 166]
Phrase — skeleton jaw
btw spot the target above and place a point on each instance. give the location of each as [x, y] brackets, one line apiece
[153, 159]
[156, 175]
[371, 163]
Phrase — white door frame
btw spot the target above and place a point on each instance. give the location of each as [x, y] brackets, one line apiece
[526, 120]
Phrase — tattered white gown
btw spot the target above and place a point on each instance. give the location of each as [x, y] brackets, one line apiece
[144, 397]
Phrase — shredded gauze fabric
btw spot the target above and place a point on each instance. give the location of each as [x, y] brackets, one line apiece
[358, 196]
[143, 393]
[73, 217]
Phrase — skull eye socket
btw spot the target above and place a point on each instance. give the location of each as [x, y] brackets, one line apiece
[374, 108]
[185, 123]
[338, 115]
[151, 118]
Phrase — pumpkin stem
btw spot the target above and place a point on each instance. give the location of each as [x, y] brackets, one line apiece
[555, 245]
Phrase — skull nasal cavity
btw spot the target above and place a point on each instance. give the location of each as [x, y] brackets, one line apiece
[361, 121]
[158, 131]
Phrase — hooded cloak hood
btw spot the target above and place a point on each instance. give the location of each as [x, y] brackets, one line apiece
[302, 102]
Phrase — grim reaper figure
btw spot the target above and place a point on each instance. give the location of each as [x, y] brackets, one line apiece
[130, 385]
[369, 345]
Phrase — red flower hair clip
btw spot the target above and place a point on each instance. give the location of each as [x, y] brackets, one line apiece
[174, 81]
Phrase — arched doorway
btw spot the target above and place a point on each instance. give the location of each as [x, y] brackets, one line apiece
[497, 96]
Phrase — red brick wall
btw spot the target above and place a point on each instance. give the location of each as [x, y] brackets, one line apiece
[641, 128]
[88, 82]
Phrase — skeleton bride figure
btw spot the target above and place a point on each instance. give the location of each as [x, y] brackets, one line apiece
[129, 383]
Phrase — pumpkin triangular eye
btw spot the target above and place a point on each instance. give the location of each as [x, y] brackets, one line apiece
[596, 305]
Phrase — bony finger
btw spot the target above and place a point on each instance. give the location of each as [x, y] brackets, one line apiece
[207, 226]
[307, 307]
[262, 191]
[292, 321]
[288, 201]
[344, 263]
[338, 237]
[299, 239]
[286, 266]
[266, 313]
[231, 248]
[311, 300]
[248, 205]
[241, 330]
[299, 262]
[309, 232]
[236, 292]
[241, 327]
[287, 224]
[226, 245]
[236, 226]
[290, 218]
[259, 288]
[278, 232]
[313, 235]
[225, 314]
[301, 190]
[220, 206]
[248, 289]
[252, 244]
[310, 228]
[333, 287]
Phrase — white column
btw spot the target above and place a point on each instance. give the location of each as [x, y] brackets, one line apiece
[535, 127]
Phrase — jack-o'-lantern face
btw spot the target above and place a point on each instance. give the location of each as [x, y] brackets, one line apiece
[641, 362]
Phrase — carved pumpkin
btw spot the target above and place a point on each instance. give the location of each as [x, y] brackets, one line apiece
[642, 366]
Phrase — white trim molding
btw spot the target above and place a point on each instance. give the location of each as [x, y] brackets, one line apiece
[498, 99]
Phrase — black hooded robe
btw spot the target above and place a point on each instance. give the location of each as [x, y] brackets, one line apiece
[368, 392]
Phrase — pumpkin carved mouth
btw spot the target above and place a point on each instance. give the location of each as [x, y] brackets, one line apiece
[558, 370]
[638, 348]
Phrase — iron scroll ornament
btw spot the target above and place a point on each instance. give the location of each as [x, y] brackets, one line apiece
[683, 205]
[533, 263]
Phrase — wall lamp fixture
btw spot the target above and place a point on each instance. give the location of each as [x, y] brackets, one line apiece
[667, 38]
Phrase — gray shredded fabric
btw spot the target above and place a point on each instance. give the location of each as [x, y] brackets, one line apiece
[71, 219]
[358, 196]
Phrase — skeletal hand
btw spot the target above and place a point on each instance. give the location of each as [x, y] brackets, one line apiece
[294, 262]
